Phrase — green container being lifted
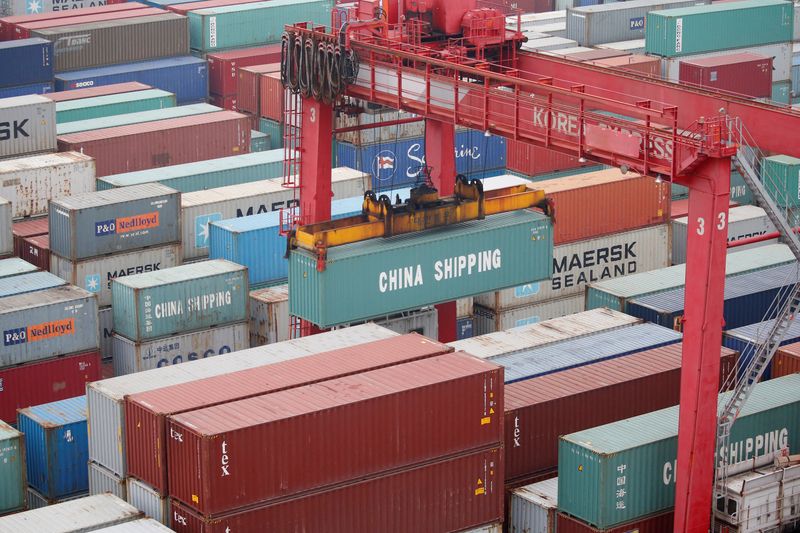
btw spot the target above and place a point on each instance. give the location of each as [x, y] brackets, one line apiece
[113, 104]
[13, 483]
[718, 26]
[623, 471]
[782, 179]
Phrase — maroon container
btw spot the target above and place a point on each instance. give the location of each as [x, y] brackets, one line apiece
[91, 92]
[248, 86]
[533, 160]
[146, 413]
[223, 66]
[659, 523]
[225, 102]
[332, 432]
[272, 96]
[162, 143]
[637, 63]
[7, 24]
[182, 9]
[29, 227]
[36, 251]
[452, 495]
[745, 73]
[23, 29]
[539, 410]
[45, 381]
[786, 360]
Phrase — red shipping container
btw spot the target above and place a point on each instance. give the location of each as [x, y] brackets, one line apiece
[786, 360]
[91, 92]
[248, 86]
[225, 102]
[659, 523]
[45, 381]
[23, 30]
[533, 160]
[36, 251]
[582, 204]
[640, 64]
[541, 409]
[745, 73]
[146, 413]
[272, 96]
[7, 23]
[455, 494]
[223, 66]
[29, 227]
[183, 9]
[328, 433]
[162, 143]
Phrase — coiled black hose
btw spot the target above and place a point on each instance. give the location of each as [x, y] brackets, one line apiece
[319, 70]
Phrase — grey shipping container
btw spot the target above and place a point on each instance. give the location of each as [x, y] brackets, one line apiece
[14, 266]
[27, 125]
[47, 323]
[533, 508]
[111, 42]
[144, 497]
[103, 480]
[619, 21]
[84, 514]
[106, 335]
[116, 220]
[143, 525]
[6, 237]
[96, 274]
[37, 501]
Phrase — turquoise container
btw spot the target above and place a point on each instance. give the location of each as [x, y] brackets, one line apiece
[204, 175]
[113, 104]
[30, 282]
[57, 447]
[13, 487]
[14, 266]
[136, 118]
[274, 130]
[718, 26]
[782, 179]
[740, 191]
[259, 142]
[180, 299]
[383, 276]
[620, 472]
[782, 92]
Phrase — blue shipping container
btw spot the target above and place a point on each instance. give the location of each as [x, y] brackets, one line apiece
[742, 339]
[23, 90]
[26, 62]
[57, 447]
[401, 163]
[465, 328]
[32, 282]
[186, 77]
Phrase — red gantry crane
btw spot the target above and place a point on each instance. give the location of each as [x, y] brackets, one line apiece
[454, 62]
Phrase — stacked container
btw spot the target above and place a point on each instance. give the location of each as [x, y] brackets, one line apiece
[136, 118]
[745, 74]
[29, 126]
[13, 495]
[83, 514]
[746, 338]
[786, 361]
[6, 233]
[224, 68]
[27, 67]
[113, 104]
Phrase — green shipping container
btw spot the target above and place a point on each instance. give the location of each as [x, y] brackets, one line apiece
[203, 175]
[113, 104]
[782, 179]
[259, 142]
[623, 471]
[740, 191]
[135, 118]
[782, 92]
[13, 484]
[275, 131]
[616, 293]
[253, 24]
[383, 276]
[718, 26]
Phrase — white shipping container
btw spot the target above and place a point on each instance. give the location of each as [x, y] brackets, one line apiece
[105, 398]
[130, 356]
[464, 307]
[102, 481]
[145, 498]
[144, 525]
[95, 274]
[106, 321]
[29, 183]
[489, 321]
[548, 43]
[531, 20]
[6, 237]
[578, 263]
[199, 208]
[635, 46]
[553, 29]
[79, 514]
[269, 315]
[781, 63]
[36, 501]
[534, 508]
[743, 221]
[27, 125]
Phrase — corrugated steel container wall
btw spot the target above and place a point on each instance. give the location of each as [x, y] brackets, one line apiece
[223, 66]
[6, 234]
[144, 525]
[425, 322]
[781, 54]
[459, 493]
[619, 21]
[144, 497]
[616, 293]
[783, 184]
[259, 142]
[130, 357]
[14, 266]
[46, 381]
[24, 28]
[579, 263]
[647, 65]
[36, 250]
[85, 514]
[30, 182]
[105, 398]
[56, 442]
[541, 409]
[136, 118]
[377, 135]
[786, 361]
[32, 282]
[18, 12]
[146, 413]
[185, 77]
[248, 87]
[12, 470]
[269, 315]
[746, 74]
[26, 62]
[114, 104]
[633, 46]
[743, 338]
[251, 24]
[489, 528]
[47, 323]
[96, 44]
[533, 160]
[489, 321]
[465, 328]
[96, 274]
[457, 392]
[651, 524]
[180, 299]
[91, 92]
[208, 174]
[645, 448]
[36, 88]
[781, 92]
[102, 480]
[106, 323]
[162, 143]
[534, 508]
[506, 250]
[30, 128]
[272, 95]
[37, 501]
[724, 25]
[117, 220]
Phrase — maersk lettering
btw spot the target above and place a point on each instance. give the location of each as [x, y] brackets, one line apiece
[193, 303]
[139, 269]
[452, 267]
[617, 260]
[13, 130]
[263, 208]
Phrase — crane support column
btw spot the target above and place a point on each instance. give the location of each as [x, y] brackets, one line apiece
[709, 194]
[440, 157]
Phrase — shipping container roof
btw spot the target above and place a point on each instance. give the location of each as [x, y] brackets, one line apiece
[134, 118]
[114, 196]
[249, 7]
[621, 6]
[82, 514]
[58, 413]
[19, 43]
[716, 7]
[30, 282]
[182, 273]
[758, 331]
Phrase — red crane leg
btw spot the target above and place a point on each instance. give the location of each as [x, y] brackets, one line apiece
[709, 192]
[440, 156]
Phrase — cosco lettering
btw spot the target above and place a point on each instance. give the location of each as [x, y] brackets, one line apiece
[192, 356]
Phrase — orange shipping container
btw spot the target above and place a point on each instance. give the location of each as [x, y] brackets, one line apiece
[786, 360]
[604, 202]
[248, 90]
[272, 92]
[641, 64]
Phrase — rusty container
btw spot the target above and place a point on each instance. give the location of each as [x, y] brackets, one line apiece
[786, 360]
